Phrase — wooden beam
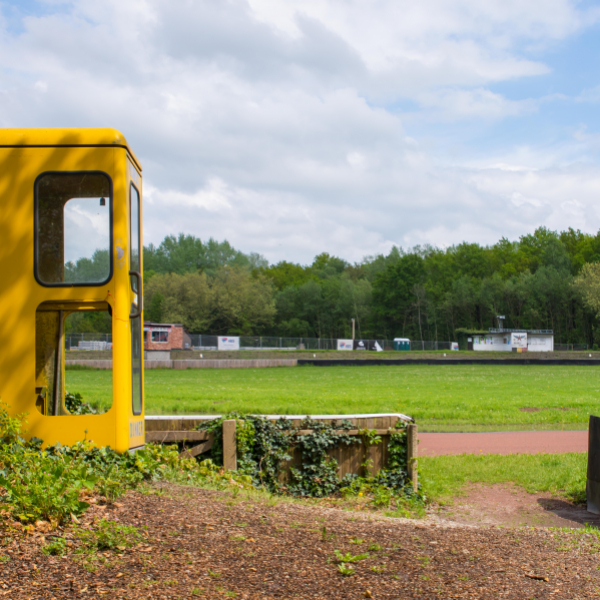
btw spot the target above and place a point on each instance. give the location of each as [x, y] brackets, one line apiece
[196, 450]
[412, 453]
[229, 445]
[176, 436]
[346, 431]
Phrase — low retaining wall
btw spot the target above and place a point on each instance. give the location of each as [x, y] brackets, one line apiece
[196, 364]
[351, 459]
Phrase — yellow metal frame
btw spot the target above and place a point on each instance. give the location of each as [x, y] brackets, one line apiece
[24, 155]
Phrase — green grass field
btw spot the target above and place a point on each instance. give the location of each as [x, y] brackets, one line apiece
[445, 477]
[440, 398]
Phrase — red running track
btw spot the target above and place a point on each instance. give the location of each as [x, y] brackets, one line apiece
[505, 442]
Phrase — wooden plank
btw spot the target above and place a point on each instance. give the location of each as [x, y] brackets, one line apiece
[199, 449]
[229, 445]
[411, 459]
[346, 431]
[176, 436]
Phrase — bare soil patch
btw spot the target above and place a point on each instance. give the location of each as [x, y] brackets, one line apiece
[212, 545]
[508, 505]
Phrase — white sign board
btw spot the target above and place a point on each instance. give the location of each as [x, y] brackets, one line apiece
[454, 346]
[228, 343]
[518, 340]
[345, 345]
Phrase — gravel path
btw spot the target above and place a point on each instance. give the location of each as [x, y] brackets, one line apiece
[505, 442]
[217, 545]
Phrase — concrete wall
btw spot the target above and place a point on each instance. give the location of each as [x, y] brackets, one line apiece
[538, 342]
[195, 364]
[494, 342]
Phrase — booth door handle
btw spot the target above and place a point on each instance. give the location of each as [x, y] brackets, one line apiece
[138, 276]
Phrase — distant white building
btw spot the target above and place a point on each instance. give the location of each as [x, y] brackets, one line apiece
[517, 340]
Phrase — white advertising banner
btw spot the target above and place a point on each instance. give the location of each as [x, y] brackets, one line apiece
[519, 340]
[345, 345]
[228, 343]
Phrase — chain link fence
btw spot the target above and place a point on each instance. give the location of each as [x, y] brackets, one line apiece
[88, 341]
[209, 342]
[103, 341]
[571, 347]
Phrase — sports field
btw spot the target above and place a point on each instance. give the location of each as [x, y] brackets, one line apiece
[440, 398]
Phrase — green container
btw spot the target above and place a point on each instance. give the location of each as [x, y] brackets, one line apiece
[401, 344]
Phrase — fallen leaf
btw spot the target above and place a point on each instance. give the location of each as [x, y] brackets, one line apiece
[367, 594]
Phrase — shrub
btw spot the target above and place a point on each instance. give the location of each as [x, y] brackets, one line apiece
[53, 483]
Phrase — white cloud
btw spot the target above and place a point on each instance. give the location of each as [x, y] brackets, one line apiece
[276, 125]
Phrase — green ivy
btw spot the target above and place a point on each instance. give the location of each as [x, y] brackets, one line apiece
[264, 449]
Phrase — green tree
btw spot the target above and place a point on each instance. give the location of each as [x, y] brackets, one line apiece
[185, 299]
[240, 302]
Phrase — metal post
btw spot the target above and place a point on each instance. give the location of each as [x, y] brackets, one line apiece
[352, 329]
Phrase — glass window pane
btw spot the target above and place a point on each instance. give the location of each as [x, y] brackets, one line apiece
[134, 224]
[73, 218]
[136, 364]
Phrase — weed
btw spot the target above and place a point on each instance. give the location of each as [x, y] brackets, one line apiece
[107, 535]
[424, 560]
[237, 538]
[374, 547]
[356, 540]
[57, 547]
[4, 558]
[327, 537]
[344, 570]
[345, 558]
[213, 573]
[378, 569]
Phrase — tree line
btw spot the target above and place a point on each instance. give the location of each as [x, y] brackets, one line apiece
[544, 280]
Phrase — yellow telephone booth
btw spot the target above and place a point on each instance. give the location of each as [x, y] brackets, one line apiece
[71, 244]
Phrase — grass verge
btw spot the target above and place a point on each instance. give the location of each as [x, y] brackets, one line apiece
[445, 477]
[440, 398]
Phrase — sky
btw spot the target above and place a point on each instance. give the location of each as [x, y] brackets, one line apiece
[295, 127]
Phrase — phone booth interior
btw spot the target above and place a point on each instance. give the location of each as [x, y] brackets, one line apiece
[71, 227]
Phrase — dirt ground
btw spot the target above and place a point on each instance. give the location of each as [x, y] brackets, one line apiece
[508, 505]
[212, 544]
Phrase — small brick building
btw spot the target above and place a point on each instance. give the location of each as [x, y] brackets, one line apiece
[165, 336]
